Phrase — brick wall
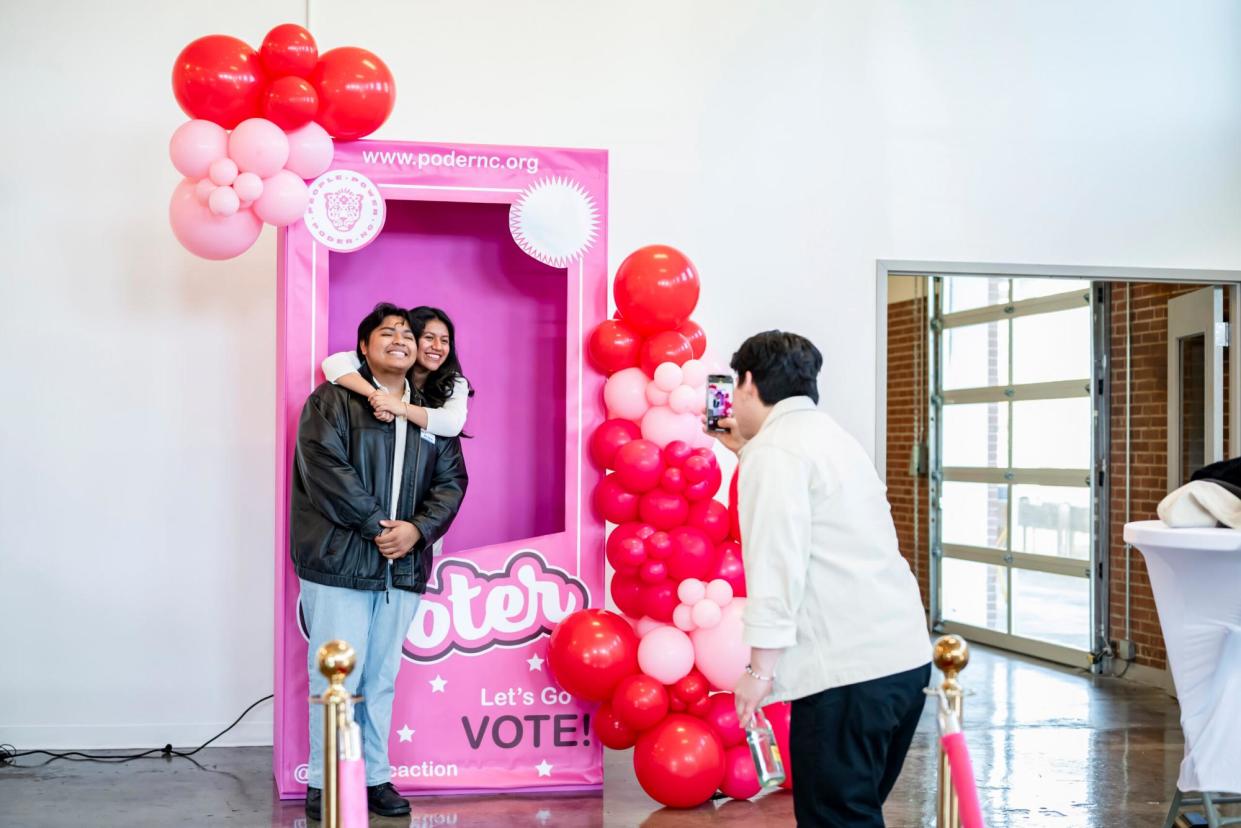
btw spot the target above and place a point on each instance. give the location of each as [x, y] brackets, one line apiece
[906, 395]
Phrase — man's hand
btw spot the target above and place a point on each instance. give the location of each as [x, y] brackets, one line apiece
[749, 694]
[387, 404]
[731, 439]
[398, 538]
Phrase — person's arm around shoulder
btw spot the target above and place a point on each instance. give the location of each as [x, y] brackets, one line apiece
[449, 421]
[341, 369]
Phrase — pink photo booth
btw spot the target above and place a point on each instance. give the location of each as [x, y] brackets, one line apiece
[511, 243]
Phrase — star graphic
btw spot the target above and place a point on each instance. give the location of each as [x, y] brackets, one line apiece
[406, 733]
[543, 815]
[543, 768]
[535, 662]
[437, 684]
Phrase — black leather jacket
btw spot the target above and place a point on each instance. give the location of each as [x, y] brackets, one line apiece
[342, 484]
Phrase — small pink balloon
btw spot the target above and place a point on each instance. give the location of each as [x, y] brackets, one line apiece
[223, 201]
[203, 190]
[719, 652]
[667, 376]
[249, 187]
[683, 618]
[195, 145]
[259, 146]
[683, 400]
[655, 395]
[223, 172]
[719, 592]
[691, 591]
[666, 655]
[740, 778]
[624, 394]
[694, 373]
[661, 425]
[310, 151]
[645, 624]
[284, 199]
[706, 614]
[207, 235]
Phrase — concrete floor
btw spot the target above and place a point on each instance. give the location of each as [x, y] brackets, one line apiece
[1051, 747]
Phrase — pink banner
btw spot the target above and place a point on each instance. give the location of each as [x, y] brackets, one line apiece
[511, 243]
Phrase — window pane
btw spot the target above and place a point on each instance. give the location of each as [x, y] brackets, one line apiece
[1052, 520]
[975, 594]
[1052, 434]
[976, 435]
[968, 292]
[1051, 607]
[1031, 288]
[1049, 347]
[976, 356]
[974, 514]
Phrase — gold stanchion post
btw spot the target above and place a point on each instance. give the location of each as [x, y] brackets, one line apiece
[336, 661]
[951, 655]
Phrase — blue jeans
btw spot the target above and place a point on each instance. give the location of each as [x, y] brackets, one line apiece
[374, 623]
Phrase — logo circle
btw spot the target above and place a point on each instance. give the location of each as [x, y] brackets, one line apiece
[302, 774]
[346, 211]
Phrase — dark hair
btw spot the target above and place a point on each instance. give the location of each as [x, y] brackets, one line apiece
[439, 385]
[782, 364]
[373, 320]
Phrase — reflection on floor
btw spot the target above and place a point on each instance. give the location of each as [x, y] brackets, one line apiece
[1051, 747]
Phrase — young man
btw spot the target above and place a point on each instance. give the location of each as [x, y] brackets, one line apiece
[369, 501]
[833, 616]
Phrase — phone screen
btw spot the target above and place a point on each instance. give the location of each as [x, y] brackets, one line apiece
[719, 400]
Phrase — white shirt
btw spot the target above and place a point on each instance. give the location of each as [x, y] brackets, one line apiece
[401, 426]
[442, 422]
[825, 580]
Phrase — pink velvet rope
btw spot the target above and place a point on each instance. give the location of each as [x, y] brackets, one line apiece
[352, 776]
[963, 780]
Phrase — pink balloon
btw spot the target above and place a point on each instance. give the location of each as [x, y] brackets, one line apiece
[284, 199]
[719, 592]
[683, 618]
[691, 591]
[731, 568]
[203, 190]
[223, 201]
[706, 614]
[206, 235]
[195, 145]
[248, 186]
[694, 373]
[661, 425]
[722, 716]
[310, 151]
[684, 400]
[719, 653]
[740, 777]
[624, 394]
[667, 376]
[259, 146]
[645, 624]
[667, 655]
[656, 395]
[222, 172]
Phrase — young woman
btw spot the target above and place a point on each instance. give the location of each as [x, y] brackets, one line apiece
[438, 385]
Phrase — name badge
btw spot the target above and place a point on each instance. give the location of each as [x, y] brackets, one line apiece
[429, 437]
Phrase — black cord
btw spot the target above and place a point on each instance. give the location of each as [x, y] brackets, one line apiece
[8, 753]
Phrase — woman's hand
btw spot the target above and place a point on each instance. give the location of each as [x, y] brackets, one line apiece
[748, 695]
[387, 406]
[730, 439]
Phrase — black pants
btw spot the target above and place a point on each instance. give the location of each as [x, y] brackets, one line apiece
[848, 744]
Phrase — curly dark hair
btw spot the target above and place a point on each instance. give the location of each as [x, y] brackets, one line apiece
[782, 365]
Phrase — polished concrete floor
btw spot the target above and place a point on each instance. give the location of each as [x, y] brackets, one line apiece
[1051, 747]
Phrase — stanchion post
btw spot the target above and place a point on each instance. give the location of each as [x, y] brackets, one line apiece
[951, 655]
[336, 660]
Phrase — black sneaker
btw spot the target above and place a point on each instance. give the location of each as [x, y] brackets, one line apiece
[385, 801]
[314, 804]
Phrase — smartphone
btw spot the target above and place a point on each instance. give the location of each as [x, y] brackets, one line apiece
[719, 400]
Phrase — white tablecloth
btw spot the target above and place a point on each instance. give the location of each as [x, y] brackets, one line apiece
[1196, 577]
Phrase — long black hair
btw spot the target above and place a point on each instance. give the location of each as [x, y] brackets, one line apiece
[439, 383]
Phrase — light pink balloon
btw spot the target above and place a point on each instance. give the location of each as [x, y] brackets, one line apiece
[661, 425]
[694, 372]
[654, 395]
[248, 186]
[683, 400]
[667, 376]
[310, 151]
[223, 201]
[691, 591]
[195, 145]
[284, 199]
[720, 592]
[719, 652]
[624, 394]
[683, 618]
[222, 172]
[706, 614]
[203, 190]
[645, 624]
[259, 146]
[666, 655]
[206, 235]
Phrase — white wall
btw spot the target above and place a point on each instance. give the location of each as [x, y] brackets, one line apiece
[784, 146]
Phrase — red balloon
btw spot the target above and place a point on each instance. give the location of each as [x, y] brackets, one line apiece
[591, 651]
[640, 702]
[710, 516]
[679, 762]
[663, 510]
[290, 102]
[219, 78]
[704, 489]
[668, 346]
[693, 556]
[691, 688]
[289, 49]
[722, 716]
[620, 548]
[659, 600]
[697, 337]
[734, 516]
[613, 346]
[659, 546]
[614, 502]
[698, 707]
[780, 715]
[740, 777]
[672, 481]
[609, 437]
[656, 288]
[629, 595]
[652, 572]
[730, 567]
[356, 92]
[675, 705]
[639, 466]
[677, 452]
[611, 730]
[698, 465]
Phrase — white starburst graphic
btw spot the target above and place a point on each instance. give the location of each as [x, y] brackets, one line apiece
[554, 220]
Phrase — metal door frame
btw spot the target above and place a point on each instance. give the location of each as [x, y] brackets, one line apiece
[1182, 324]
